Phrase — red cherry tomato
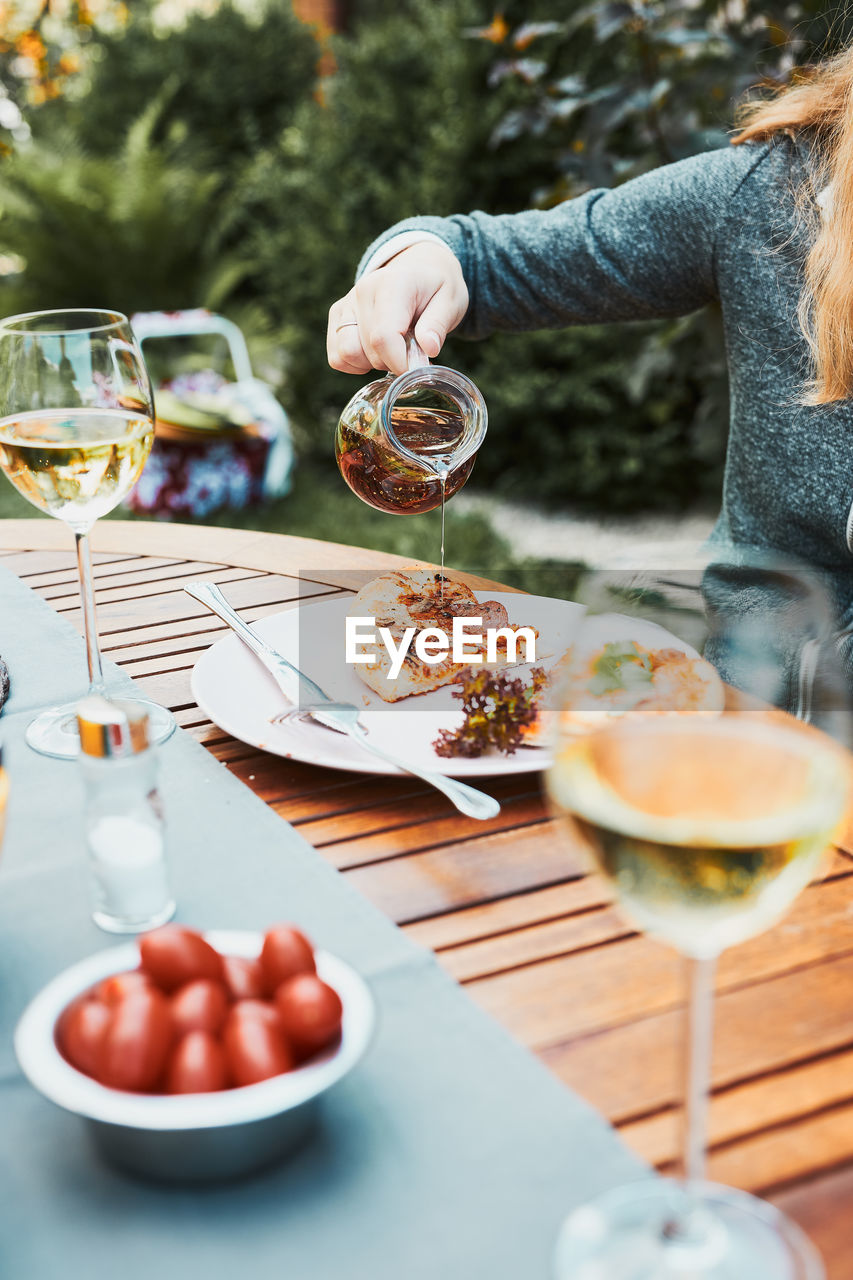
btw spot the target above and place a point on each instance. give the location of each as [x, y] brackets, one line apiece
[113, 989]
[199, 1006]
[197, 1065]
[286, 951]
[80, 1034]
[174, 955]
[244, 978]
[255, 1049]
[263, 1009]
[137, 1042]
[310, 1011]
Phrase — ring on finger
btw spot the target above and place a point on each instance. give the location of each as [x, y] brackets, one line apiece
[347, 324]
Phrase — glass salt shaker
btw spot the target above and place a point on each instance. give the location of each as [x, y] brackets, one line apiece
[125, 842]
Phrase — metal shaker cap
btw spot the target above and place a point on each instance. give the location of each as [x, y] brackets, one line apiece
[112, 728]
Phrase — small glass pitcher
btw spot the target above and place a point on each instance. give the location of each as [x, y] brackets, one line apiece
[405, 442]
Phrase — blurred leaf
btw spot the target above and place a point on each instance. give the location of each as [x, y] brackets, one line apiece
[612, 17]
[495, 33]
[527, 69]
[573, 85]
[530, 31]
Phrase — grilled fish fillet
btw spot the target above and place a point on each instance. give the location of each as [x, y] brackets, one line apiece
[414, 598]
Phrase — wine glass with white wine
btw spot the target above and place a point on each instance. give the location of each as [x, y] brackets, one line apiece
[708, 795]
[76, 428]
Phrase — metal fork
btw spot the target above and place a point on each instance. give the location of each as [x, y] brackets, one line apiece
[309, 699]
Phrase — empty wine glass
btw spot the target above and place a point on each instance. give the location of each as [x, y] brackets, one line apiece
[76, 427]
[708, 790]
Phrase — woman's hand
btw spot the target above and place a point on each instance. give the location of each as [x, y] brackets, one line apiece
[421, 287]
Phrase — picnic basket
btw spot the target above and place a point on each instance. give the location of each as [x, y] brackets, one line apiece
[218, 443]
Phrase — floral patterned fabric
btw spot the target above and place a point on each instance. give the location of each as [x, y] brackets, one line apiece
[188, 477]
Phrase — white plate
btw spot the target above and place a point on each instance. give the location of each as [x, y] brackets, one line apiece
[235, 691]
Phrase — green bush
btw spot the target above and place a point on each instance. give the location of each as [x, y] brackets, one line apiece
[136, 230]
[231, 81]
[576, 418]
[610, 89]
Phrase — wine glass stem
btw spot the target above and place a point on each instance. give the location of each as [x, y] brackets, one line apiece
[690, 1227]
[700, 1031]
[90, 624]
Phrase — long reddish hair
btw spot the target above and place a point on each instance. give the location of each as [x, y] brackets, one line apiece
[821, 101]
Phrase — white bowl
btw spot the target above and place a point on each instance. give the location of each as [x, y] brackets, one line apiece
[191, 1137]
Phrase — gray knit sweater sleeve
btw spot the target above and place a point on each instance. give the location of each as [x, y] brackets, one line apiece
[640, 251]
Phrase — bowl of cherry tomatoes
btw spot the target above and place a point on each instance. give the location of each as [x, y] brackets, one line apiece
[197, 1056]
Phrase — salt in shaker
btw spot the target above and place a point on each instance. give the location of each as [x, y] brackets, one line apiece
[123, 818]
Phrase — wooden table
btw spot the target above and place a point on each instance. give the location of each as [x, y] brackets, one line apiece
[504, 905]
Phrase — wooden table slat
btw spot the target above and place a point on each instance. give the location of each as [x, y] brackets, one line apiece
[376, 846]
[464, 874]
[206, 627]
[468, 925]
[137, 583]
[103, 570]
[779, 1098]
[822, 1207]
[65, 597]
[634, 977]
[765, 1162]
[172, 606]
[751, 1041]
[27, 564]
[540, 940]
[400, 824]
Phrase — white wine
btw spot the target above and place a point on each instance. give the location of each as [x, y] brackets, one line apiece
[707, 829]
[75, 464]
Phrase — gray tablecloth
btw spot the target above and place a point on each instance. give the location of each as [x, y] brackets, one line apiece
[449, 1154]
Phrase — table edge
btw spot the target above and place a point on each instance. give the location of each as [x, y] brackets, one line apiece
[238, 548]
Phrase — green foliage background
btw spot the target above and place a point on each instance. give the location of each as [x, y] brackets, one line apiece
[211, 166]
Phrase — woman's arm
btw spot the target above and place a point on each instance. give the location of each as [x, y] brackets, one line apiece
[641, 251]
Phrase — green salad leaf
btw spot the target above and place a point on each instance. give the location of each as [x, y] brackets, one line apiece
[621, 665]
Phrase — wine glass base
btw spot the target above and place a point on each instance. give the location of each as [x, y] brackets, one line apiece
[630, 1234]
[54, 732]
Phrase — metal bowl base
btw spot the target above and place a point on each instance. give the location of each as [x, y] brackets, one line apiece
[203, 1155]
